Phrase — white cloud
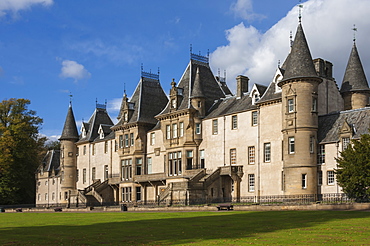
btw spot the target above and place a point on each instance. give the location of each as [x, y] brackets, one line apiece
[244, 10]
[328, 33]
[17, 5]
[114, 105]
[71, 69]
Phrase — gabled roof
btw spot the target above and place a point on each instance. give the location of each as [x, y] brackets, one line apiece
[99, 117]
[198, 80]
[299, 62]
[331, 125]
[270, 93]
[230, 105]
[50, 162]
[70, 129]
[148, 100]
[354, 77]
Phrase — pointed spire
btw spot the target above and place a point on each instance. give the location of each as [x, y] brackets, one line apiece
[354, 77]
[70, 129]
[197, 88]
[299, 62]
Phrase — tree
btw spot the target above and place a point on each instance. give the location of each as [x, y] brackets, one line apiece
[353, 172]
[20, 149]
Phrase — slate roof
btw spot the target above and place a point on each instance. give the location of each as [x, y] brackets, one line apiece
[99, 117]
[70, 129]
[198, 80]
[51, 162]
[299, 62]
[148, 99]
[270, 94]
[331, 124]
[354, 77]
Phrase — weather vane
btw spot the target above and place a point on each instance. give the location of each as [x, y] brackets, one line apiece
[70, 98]
[300, 5]
[354, 32]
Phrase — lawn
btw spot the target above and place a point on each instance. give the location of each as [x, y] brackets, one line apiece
[187, 228]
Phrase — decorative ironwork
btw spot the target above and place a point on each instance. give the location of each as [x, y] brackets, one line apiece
[199, 58]
[101, 106]
[149, 75]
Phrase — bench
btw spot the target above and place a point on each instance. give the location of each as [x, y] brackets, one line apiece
[225, 206]
[58, 209]
[18, 210]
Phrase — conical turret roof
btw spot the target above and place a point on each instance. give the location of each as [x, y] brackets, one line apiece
[354, 77]
[197, 88]
[70, 129]
[299, 62]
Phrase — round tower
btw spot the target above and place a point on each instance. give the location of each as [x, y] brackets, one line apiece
[355, 89]
[68, 157]
[300, 119]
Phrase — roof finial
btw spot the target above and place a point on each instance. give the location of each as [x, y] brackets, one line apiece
[300, 6]
[142, 67]
[354, 33]
[124, 88]
[191, 48]
[96, 101]
[278, 63]
[70, 99]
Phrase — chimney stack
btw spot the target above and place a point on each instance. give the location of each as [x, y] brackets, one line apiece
[241, 85]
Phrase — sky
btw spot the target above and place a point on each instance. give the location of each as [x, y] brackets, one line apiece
[94, 49]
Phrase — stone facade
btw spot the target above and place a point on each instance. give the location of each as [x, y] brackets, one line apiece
[201, 143]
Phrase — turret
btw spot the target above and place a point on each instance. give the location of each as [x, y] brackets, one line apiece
[355, 89]
[68, 157]
[300, 118]
[197, 96]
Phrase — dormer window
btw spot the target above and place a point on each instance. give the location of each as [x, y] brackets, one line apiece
[83, 131]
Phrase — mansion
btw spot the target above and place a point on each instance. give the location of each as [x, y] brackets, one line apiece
[202, 143]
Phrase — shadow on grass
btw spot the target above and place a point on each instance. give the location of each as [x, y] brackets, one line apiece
[158, 228]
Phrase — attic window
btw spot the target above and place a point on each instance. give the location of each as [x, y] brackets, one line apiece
[101, 134]
[173, 103]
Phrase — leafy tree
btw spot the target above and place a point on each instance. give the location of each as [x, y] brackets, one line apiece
[52, 145]
[353, 172]
[20, 149]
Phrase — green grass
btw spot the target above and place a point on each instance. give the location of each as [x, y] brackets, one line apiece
[187, 228]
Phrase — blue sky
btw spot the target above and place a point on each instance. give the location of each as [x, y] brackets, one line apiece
[91, 48]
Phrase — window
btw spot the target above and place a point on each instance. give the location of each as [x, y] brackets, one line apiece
[330, 176]
[319, 178]
[304, 181]
[132, 139]
[234, 122]
[254, 118]
[84, 175]
[152, 138]
[267, 152]
[149, 165]
[173, 103]
[314, 104]
[291, 145]
[106, 147]
[126, 140]
[53, 196]
[93, 173]
[233, 156]
[126, 169]
[197, 128]
[66, 195]
[181, 126]
[174, 163]
[126, 194]
[138, 193]
[46, 196]
[202, 160]
[345, 142]
[251, 182]
[115, 146]
[106, 172]
[321, 154]
[77, 175]
[312, 144]
[93, 149]
[139, 163]
[39, 197]
[189, 159]
[120, 141]
[84, 150]
[290, 105]
[174, 130]
[168, 132]
[214, 127]
[251, 154]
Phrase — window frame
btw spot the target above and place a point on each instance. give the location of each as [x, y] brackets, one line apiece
[215, 127]
[267, 152]
[251, 182]
[234, 122]
[290, 105]
[251, 155]
[254, 118]
[330, 177]
[291, 145]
